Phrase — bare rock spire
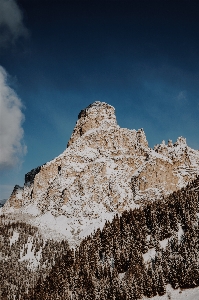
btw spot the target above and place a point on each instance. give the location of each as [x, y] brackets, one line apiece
[97, 114]
[105, 170]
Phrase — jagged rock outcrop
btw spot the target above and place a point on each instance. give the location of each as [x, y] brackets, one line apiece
[98, 114]
[15, 200]
[30, 176]
[105, 169]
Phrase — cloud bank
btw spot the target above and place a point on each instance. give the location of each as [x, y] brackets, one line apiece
[11, 22]
[12, 147]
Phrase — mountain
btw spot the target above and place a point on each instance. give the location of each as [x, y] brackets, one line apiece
[110, 218]
[104, 170]
[147, 252]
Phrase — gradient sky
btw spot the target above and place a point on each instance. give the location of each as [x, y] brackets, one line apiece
[57, 57]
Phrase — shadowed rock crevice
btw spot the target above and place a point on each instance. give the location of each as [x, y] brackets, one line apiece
[30, 176]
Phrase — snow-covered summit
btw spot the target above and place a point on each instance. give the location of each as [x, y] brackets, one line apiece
[104, 170]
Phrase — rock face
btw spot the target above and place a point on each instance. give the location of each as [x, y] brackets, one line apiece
[98, 114]
[105, 169]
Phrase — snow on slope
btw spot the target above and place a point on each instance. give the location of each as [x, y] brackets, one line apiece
[28, 253]
[14, 238]
[104, 170]
[178, 294]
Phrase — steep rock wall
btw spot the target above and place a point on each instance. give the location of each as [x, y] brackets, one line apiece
[105, 169]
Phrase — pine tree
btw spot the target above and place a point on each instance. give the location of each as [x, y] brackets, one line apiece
[161, 283]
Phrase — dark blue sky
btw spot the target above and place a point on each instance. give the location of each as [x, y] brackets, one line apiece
[142, 57]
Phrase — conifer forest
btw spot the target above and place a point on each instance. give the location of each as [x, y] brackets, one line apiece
[112, 263]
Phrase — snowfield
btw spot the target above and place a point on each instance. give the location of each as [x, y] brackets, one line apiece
[171, 294]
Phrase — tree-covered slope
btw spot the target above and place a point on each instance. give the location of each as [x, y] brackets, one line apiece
[135, 255]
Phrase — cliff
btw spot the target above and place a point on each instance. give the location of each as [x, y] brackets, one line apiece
[104, 170]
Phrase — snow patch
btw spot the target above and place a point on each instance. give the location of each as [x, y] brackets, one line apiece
[164, 243]
[180, 234]
[14, 238]
[32, 209]
[28, 253]
[178, 294]
[19, 194]
[149, 255]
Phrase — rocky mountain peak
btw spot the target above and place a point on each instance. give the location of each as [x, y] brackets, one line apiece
[104, 170]
[97, 114]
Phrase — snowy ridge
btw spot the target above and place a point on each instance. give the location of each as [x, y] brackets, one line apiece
[104, 170]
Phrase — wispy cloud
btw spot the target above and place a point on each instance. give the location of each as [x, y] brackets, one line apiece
[11, 22]
[12, 147]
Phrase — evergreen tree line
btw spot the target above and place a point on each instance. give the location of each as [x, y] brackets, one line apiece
[109, 264]
[17, 275]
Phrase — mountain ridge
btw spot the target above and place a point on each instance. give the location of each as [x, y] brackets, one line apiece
[104, 170]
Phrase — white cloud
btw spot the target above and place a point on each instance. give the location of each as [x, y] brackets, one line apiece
[12, 147]
[11, 22]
